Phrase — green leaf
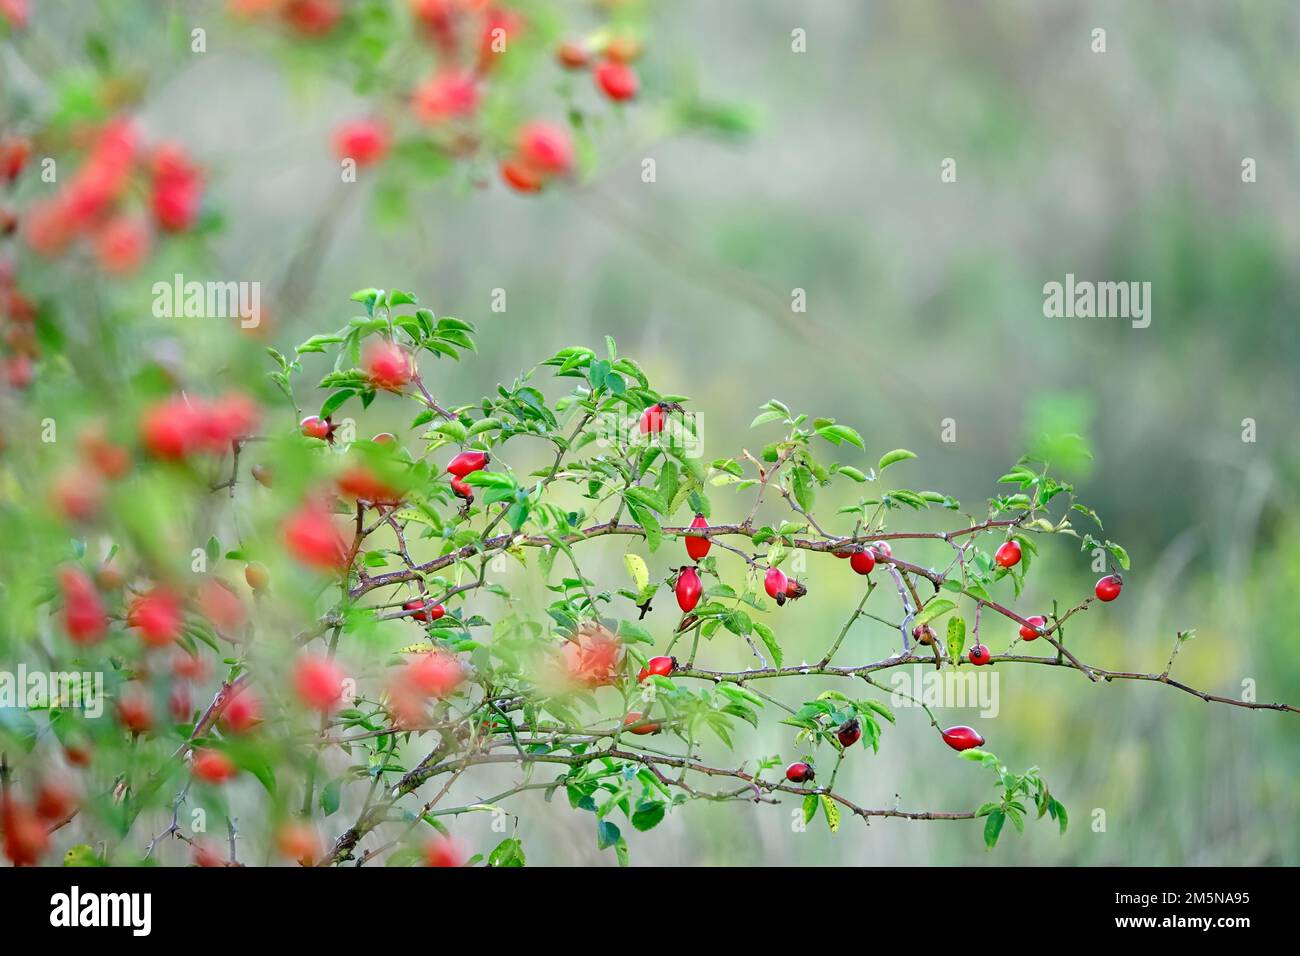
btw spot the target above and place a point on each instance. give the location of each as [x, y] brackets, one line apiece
[606, 835]
[509, 852]
[803, 488]
[810, 805]
[891, 457]
[852, 473]
[956, 637]
[648, 813]
[935, 609]
[993, 828]
[836, 434]
[329, 796]
[335, 402]
[769, 641]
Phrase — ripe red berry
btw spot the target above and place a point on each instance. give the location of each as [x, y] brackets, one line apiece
[616, 80]
[444, 851]
[77, 754]
[318, 682]
[882, 550]
[388, 365]
[979, 655]
[434, 674]
[799, 772]
[312, 18]
[230, 417]
[243, 713]
[462, 490]
[1028, 633]
[635, 718]
[14, 152]
[56, 798]
[850, 732]
[520, 176]
[445, 96]
[363, 141]
[122, 244]
[962, 738]
[312, 538]
[467, 462]
[313, 426]
[25, 837]
[1008, 555]
[545, 147]
[212, 766]
[689, 589]
[83, 609]
[177, 189]
[360, 483]
[135, 712]
[181, 703]
[424, 613]
[172, 429]
[658, 666]
[862, 561]
[158, 616]
[652, 419]
[299, 842]
[207, 854]
[697, 548]
[1108, 588]
[776, 583]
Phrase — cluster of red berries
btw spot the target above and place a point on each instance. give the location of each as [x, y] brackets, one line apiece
[181, 426]
[312, 19]
[94, 203]
[613, 74]
[780, 587]
[77, 491]
[27, 823]
[466, 463]
[542, 152]
[428, 675]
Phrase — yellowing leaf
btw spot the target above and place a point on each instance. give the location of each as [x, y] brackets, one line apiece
[637, 569]
[832, 813]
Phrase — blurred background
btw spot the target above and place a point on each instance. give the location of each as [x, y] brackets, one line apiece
[924, 303]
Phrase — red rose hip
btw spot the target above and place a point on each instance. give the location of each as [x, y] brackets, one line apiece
[1108, 588]
[799, 772]
[1029, 633]
[697, 548]
[689, 589]
[962, 738]
[1008, 555]
[862, 561]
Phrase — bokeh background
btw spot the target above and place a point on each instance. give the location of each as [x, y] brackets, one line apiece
[924, 303]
